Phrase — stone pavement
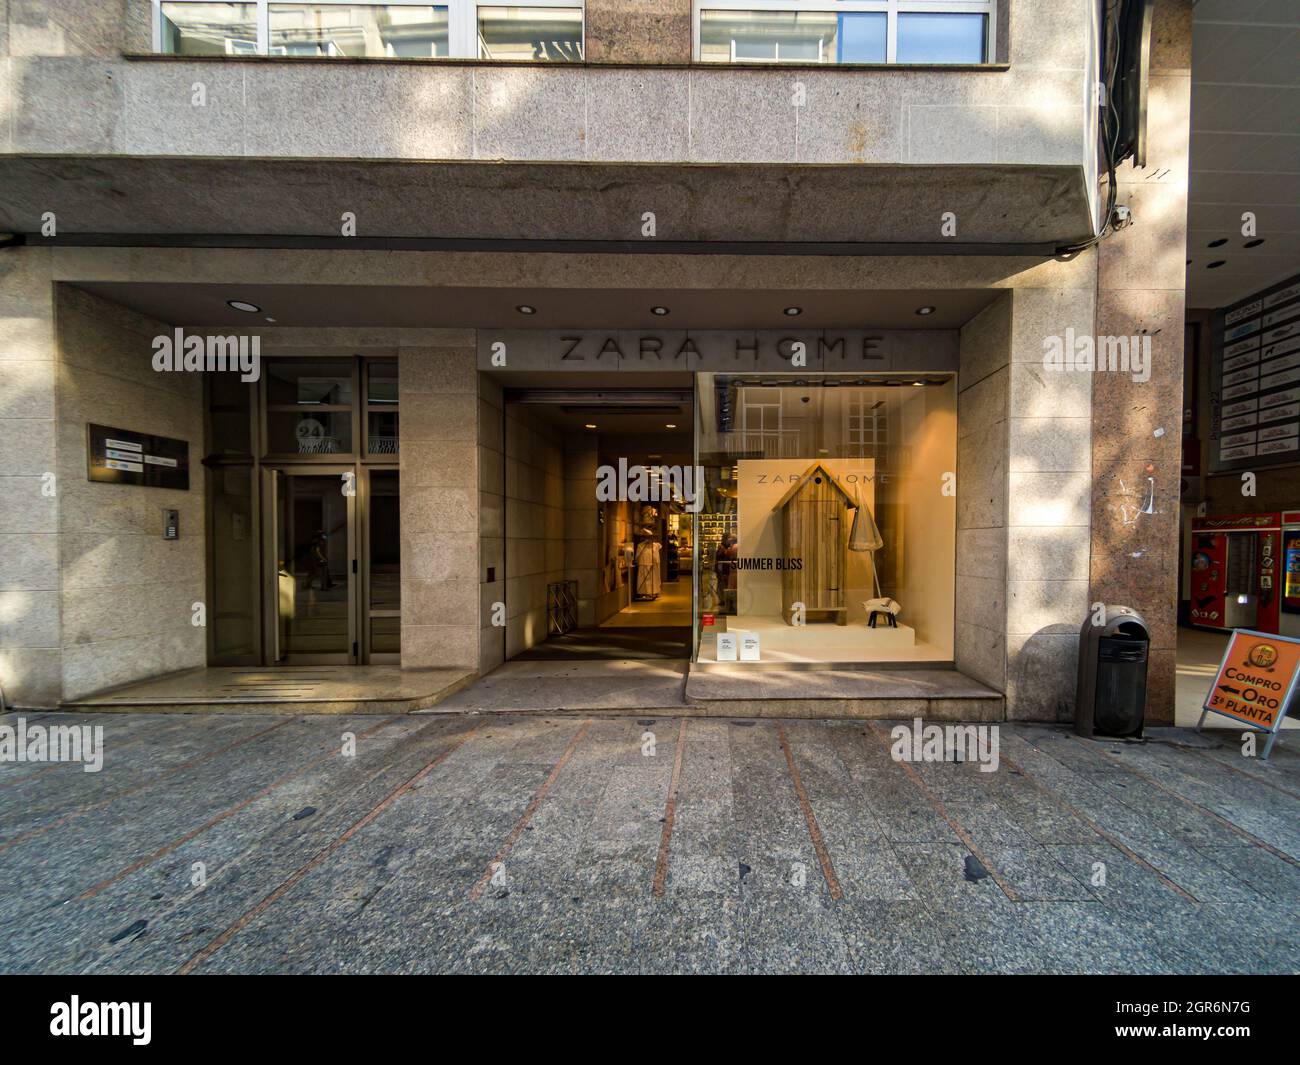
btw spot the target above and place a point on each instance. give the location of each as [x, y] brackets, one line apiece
[501, 843]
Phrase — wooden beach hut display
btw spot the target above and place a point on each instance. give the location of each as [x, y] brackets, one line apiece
[814, 528]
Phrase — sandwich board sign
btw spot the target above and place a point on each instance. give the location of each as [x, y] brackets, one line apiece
[1255, 682]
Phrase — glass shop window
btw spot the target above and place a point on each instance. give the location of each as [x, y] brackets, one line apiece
[824, 533]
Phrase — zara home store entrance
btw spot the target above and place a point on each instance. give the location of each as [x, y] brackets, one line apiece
[599, 536]
[799, 485]
[303, 514]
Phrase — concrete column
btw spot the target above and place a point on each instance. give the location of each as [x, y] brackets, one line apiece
[1136, 450]
[1049, 469]
[30, 657]
[534, 532]
[1023, 469]
[68, 28]
[983, 382]
[491, 523]
[638, 31]
[128, 595]
[439, 404]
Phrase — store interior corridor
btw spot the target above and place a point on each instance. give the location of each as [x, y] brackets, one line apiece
[619, 553]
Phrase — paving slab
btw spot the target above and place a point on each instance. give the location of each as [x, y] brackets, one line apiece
[282, 690]
[638, 843]
[616, 687]
[933, 694]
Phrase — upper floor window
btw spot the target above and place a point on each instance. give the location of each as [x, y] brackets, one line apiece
[844, 31]
[540, 30]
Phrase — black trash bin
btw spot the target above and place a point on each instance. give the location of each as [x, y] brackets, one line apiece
[1111, 697]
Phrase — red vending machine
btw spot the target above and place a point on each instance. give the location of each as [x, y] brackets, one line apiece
[1236, 569]
[1290, 575]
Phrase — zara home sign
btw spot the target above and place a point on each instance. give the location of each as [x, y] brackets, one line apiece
[813, 350]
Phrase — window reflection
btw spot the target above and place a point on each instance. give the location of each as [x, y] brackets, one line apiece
[551, 34]
[925, 37]
[800, 34]
[209, 29]
[769, 36]
[360, 30]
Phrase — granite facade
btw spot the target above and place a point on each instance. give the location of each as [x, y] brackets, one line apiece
[1137, 447]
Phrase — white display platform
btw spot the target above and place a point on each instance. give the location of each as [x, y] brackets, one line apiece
[827, 642]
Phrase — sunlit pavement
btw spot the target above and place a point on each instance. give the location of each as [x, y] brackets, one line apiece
[530, 844]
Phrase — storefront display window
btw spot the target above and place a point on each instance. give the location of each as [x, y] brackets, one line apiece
[827, 531]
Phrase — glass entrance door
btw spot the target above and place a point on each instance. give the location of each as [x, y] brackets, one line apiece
[304, 527]
[382, 569]
[312, 565]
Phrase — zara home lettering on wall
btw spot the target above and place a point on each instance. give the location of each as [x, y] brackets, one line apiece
[813, 350]
[796, 349]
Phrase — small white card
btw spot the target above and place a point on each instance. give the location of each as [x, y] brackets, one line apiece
[749, 647]
[726, 647]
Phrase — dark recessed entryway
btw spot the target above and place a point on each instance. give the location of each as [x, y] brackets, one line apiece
[574, 535]
[612, 643]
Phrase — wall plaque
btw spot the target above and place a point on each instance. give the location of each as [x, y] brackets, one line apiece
[120, 456]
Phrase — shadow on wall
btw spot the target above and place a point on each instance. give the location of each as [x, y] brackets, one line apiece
[1042, 680]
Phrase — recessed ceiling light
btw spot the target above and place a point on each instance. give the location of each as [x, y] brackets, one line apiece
[269, 318]
[917, 384]
[925, 310]
[661, 311]
[793, 312]
[590, 426]
[1217, 243]
[1254, 243]
[1216, 264]
[670, 425]
[525, 308]
[243, 305]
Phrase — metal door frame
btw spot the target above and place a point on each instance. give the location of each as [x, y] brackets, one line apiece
[271, 473]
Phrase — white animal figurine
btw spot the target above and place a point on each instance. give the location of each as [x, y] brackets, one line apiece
[886, 606]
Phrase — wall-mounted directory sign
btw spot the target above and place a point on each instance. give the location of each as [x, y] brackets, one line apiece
[119, 456]
[1255, 381]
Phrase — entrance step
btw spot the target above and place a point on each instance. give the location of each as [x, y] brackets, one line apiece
[622, 686]
[628, 688]
[932, 694]
[282, 690]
